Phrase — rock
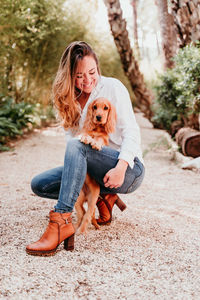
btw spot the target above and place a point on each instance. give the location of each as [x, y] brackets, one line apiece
[192, 164]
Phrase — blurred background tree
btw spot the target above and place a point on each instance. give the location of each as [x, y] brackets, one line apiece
[134, 4]
[130, 65]
[167, 28]
[186, 18]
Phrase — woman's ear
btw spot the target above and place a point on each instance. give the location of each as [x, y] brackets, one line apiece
[111, 120]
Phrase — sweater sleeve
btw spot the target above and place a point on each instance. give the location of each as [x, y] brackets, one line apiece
[127, 125]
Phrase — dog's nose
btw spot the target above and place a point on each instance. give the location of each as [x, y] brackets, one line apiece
[98, 118]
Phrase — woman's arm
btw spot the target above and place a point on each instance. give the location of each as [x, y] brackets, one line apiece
[127, 126]
[128, 131]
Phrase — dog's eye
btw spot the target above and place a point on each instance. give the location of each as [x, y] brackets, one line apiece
[94, 107]
[105, 108]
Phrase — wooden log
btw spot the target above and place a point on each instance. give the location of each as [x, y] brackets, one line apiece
[189, 141]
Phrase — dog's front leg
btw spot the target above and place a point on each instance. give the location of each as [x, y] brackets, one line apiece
[94, 220]
[92, 198]
[80, 211]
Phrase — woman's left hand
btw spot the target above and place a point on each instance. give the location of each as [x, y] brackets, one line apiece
[114, 178]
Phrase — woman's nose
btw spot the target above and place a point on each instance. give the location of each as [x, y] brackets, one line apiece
[86, 78]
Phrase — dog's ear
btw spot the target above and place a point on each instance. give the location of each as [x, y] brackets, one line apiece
[88, 124]
[111, 120]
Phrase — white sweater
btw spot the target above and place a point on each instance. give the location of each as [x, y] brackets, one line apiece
[126, 138]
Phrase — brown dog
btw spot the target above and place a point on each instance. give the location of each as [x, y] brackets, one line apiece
[100, 121]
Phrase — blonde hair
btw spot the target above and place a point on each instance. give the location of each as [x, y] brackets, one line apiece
[65, 93]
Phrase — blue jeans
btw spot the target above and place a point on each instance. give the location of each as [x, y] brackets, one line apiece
[65, 183]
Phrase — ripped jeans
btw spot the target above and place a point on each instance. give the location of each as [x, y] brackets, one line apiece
[64, 183]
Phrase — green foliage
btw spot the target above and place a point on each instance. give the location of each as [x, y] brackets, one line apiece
[13, 118]
[34, 34]
[178, 90]
[43, 115]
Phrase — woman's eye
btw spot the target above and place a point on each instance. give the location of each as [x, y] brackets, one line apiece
[105, 108]
[78, 76]
[92, 73]
[94, 107]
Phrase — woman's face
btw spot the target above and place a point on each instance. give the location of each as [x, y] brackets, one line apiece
[86, 74]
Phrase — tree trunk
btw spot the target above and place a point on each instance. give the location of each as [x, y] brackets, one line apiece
[157, 43]
[135, 28]
[186, 15]
[189, 140]
[130, 65]
[167, 32]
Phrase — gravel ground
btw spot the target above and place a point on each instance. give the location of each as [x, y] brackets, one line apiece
[150, 251]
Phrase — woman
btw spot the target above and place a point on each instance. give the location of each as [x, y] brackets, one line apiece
[117, 168]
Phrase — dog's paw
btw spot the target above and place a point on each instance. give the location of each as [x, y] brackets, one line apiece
[96, 145]
[86, 139]
[81, 230]
[95, 224]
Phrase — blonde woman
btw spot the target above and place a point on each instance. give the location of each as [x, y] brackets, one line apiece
[118, 168]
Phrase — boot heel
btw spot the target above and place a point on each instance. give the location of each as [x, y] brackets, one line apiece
[69, 243]
[120, 204]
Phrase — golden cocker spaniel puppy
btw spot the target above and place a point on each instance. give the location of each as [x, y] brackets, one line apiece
[99, 123]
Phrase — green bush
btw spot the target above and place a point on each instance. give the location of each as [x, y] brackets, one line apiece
[13, 118]
[178, 90]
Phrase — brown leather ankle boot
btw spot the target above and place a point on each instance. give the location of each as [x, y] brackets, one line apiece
[105, 205]
[60, 229]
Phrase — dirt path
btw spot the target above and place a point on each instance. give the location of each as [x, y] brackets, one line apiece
[150, 251]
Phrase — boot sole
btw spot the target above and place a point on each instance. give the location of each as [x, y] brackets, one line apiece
[104, 223]
[41, 253]
[68, 246]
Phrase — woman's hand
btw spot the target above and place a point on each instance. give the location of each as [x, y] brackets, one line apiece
[114, 178]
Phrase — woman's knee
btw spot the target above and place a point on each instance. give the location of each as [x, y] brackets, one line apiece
[74, 145]
[36, 185]
[137, 182]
